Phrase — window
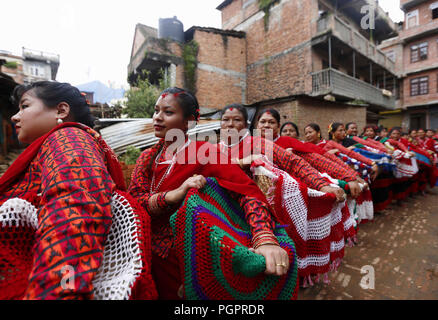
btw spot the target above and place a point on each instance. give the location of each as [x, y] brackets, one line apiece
[419, 52]
[434, 8]
[36, 70]
[412, 19]
[419, 86]
[391, 55]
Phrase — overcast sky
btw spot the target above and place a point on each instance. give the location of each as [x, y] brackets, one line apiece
[94, 37]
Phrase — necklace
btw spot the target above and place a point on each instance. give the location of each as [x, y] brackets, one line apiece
[276, 139]
[235, 144]
[170, 163]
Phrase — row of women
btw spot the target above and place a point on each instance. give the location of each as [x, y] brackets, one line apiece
[271, 214]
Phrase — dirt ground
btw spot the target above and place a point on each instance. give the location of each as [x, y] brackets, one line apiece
[400, 248]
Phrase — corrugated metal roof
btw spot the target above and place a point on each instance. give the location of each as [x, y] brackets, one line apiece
[140, 133]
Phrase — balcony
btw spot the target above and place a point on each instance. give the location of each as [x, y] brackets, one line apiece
[420, 31]
[344, 87]
[332, 25]
[40, 56]
[409, 4]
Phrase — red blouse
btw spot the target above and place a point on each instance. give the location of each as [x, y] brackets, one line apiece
[70, 186]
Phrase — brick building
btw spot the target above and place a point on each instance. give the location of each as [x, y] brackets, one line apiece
[311, 60]
[415, 51]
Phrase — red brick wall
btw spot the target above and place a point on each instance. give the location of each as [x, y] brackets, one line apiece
[424, 12]
[279, 59]
[432, 55]
[237, 12]
[397, 48]
[433, 89]
[225, 58]
[307, 110]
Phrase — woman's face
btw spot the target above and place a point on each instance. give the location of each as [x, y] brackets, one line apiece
[369, 132]
[413, 134]
[233, 119]
[395, 135]
[352, 129]
[384, 133]
[311, 135]
[34, 119]
[421, 133]
[430, 133]
[289, 131]
[268, 126]
[339, 134]
[168, 115]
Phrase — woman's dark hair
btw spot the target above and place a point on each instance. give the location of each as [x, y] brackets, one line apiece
[332, 129]
[399, 129]
[273, 112]
[349, 124]
[410, 131]
[239, 107]
[380, 129]
[314, 126]
[186, 100]
[370, 126]
[53, 93]
[293, 125]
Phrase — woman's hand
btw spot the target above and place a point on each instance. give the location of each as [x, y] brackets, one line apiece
[247, 161]
[277, 260]
[355, 189]
[363, 182]
[178, 195]
[338, 192]
[333, 151]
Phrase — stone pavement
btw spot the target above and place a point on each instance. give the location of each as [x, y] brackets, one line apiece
[400, 246]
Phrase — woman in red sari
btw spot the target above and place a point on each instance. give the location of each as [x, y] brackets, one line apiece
[234, 128]
[165, 173]
[270, 120]
[57, 225]
[316, 256]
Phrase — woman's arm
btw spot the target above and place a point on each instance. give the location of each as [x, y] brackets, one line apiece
[74, 217]
[262, 227]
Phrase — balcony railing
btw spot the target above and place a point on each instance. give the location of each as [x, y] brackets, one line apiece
[354, 39]
[40, 55]
[336, 83]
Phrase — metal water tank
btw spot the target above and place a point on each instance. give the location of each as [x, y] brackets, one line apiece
[171, 28]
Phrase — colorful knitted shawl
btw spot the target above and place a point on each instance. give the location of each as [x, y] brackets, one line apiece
[318, 225]
[212, 239]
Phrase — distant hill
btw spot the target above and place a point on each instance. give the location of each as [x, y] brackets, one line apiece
[102, 93]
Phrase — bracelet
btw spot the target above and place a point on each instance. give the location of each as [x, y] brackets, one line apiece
[263, 238]
[154, 204]
[265, 244]
[262, 234]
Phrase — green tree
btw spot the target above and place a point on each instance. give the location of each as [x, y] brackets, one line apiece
[141, 98]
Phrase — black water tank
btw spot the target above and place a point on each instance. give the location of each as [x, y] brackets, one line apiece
[171, 28]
